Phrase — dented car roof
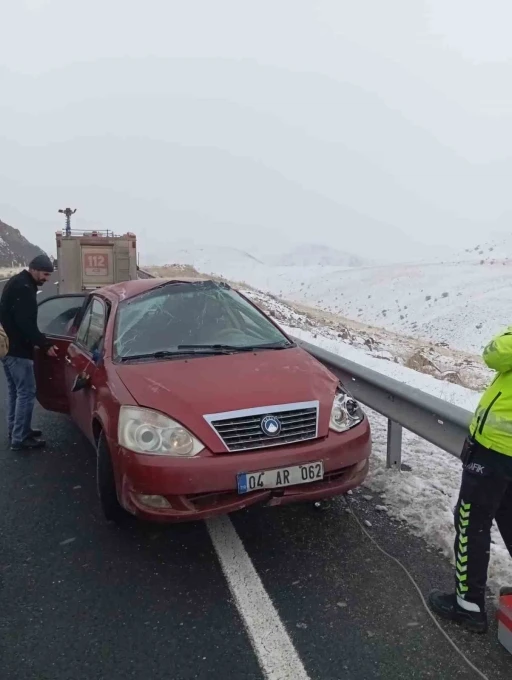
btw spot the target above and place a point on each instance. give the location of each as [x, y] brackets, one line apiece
[129, 289]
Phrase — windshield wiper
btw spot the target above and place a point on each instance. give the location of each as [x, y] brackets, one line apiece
[180, 351]
[184, 350]
[282, 344]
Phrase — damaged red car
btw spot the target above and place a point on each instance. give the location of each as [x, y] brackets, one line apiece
[196, 402]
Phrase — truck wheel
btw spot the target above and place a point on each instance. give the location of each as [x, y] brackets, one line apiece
[106, 484]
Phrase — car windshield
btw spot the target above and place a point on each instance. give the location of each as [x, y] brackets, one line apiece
[181, 318]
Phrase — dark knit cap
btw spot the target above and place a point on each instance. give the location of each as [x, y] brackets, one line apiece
[41, 263]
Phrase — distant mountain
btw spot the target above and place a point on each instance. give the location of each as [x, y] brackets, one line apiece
[312, 254]
[210, 259]
[15, 249]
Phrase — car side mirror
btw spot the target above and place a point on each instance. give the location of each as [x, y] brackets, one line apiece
[82, 381]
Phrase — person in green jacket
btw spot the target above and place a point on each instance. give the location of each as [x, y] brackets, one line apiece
[485, 493]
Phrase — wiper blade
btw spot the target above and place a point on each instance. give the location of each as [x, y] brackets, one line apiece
[239, 348]
[170, 353]
[214, 347]
[183, 350]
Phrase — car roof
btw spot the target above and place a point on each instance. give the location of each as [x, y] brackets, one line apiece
[129, 289]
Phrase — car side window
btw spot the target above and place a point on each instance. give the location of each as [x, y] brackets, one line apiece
[92, 328]
[56, 314]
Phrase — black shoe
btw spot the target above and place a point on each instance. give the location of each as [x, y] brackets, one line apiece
[28, 443]
[32, 434]
[445, 605]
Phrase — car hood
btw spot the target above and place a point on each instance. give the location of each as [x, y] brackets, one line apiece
[188, 389]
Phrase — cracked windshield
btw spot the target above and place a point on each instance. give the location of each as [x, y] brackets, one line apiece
[182, 318]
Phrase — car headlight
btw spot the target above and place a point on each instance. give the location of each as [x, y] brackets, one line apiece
[345, 413]
[145, 431]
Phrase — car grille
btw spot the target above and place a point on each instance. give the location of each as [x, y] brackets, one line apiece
[242, 431]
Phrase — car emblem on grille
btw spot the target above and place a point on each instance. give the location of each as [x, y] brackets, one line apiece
[270, 426]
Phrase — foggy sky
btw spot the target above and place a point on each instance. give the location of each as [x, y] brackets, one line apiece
[372, 126]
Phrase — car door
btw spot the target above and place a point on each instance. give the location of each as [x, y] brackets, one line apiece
[55, 319]
[84, 365]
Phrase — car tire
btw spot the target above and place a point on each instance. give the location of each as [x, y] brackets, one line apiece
[106, 484]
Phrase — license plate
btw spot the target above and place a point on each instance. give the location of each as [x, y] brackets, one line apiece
[275, 479]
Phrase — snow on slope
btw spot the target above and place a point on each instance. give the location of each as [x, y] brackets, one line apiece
[208, 259]
[381, 356]
[461, 303]
[495, 250]
[373, 346]
[239, 265]
[313, 254]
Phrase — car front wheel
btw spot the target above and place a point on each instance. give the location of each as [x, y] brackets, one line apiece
[106, 483]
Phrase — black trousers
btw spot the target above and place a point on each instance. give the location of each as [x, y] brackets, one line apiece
[485, 495]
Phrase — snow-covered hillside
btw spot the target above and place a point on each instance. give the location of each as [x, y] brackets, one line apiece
[208, 259]
[400, 357]
[383, 350]
[314, 254]
[494, 250]
[461, 303]
[239, 265]
[261, 265]
[15, 250]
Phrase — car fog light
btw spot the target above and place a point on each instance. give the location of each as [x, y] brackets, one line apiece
[153, 501]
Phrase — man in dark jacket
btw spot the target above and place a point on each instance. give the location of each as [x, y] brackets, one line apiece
[18, 316]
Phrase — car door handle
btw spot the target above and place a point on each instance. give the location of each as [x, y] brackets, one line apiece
[67, 359]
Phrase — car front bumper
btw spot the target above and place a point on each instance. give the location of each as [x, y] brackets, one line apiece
[205, 486]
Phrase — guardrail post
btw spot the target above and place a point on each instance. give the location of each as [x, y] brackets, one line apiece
[394, 450]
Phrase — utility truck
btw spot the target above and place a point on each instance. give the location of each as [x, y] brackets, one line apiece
[92, 259]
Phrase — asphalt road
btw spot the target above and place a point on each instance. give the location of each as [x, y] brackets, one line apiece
[283, 594]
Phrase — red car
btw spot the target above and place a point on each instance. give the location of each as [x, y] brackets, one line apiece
[196, 402]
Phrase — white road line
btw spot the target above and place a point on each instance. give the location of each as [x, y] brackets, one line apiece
[276, 654]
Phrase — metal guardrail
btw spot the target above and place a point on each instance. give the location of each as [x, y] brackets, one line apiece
[435, 420]
[143, 274]
[431, 418]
